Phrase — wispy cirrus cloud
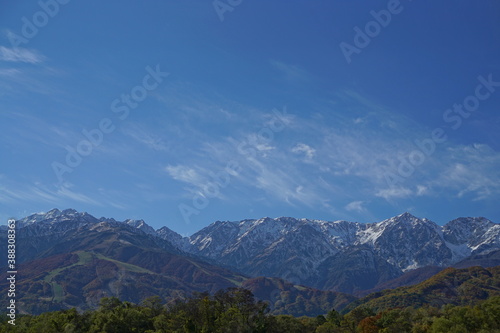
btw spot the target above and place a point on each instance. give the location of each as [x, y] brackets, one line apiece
[20, 55]
[394, 193]
[458, 170]
[146, 137]
[64, 191]
[356, 206]
[285, 184]
[185, 174]
[199, 180]
[39, 193]
[302, 148]
[338, 155]
[471, 170]
[422, 190]
[290, 72]
[344, 155]
[24, 81]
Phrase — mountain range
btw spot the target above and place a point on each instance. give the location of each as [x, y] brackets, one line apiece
[300, 266]
[343, 256]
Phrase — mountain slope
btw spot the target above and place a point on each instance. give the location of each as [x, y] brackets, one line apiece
[450, 286]
[109, 259]
[487, 259]
[407, 242]
[286, 298]
[355, 269]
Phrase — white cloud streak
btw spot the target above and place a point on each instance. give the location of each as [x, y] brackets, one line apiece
[20, 55]
[146, 137]
[351, 156]
[291, 72]
[394, 193]
[356, 206]
[39, 193]
[308, 151]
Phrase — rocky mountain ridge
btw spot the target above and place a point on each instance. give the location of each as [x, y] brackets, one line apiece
[71, 259]
[315, 252]
[340, 255]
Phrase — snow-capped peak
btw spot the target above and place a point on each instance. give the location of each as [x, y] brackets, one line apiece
[141, 225]
[55, 215]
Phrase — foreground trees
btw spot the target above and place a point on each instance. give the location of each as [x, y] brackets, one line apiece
[235, 310]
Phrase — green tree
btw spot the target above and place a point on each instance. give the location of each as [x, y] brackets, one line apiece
[334, 317]
[154, 304]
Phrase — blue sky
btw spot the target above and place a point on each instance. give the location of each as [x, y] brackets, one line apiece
[244, 109]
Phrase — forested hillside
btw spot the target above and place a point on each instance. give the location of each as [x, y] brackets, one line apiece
[235, 310]
[451, 286]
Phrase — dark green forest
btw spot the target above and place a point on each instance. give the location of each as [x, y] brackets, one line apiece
[236, 310]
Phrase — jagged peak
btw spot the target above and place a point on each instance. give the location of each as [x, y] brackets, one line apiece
[165, 228]
[56, 215]
[55, 212]
[407, 215]
[288, 218]
[263, 220]
[134, 222]
[165, 232]
[406, 220]
[41, 216]
[469, 223]
[478, 219]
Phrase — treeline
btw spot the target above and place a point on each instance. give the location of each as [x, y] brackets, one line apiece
[236, 310]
